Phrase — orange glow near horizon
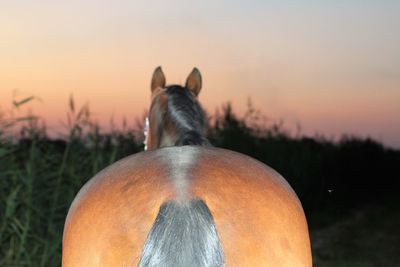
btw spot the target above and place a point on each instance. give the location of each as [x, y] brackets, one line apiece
[330, 68]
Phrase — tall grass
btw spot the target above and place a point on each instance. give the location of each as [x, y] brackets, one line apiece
[39, 176]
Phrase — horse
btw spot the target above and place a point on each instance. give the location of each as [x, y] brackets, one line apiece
[183, 202]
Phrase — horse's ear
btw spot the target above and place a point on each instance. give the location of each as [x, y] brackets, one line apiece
[193, 82]
[158, 79]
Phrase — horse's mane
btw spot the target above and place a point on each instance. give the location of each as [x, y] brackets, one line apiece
[187, 115]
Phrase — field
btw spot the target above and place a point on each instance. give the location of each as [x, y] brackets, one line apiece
[348, 187]
[366, 237]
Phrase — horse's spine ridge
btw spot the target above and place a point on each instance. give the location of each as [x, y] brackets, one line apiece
[183, 234]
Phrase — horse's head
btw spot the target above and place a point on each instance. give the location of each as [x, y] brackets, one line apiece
[175, 116]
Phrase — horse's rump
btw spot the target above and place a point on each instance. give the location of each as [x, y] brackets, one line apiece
[181, 199]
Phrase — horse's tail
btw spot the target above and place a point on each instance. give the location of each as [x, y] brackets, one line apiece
[184, 234]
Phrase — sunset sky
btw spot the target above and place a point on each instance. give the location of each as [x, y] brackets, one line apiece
[331, 66]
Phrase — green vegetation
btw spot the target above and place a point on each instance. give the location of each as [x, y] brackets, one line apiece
[336, 181]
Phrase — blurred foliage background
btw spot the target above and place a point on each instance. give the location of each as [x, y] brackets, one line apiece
[348, 187]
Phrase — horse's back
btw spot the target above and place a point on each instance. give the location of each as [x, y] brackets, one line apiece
[258, 217]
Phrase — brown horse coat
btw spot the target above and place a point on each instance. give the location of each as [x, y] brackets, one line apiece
[259, 219]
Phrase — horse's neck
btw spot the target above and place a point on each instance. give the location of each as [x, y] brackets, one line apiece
[192, 137]
[183, 137]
